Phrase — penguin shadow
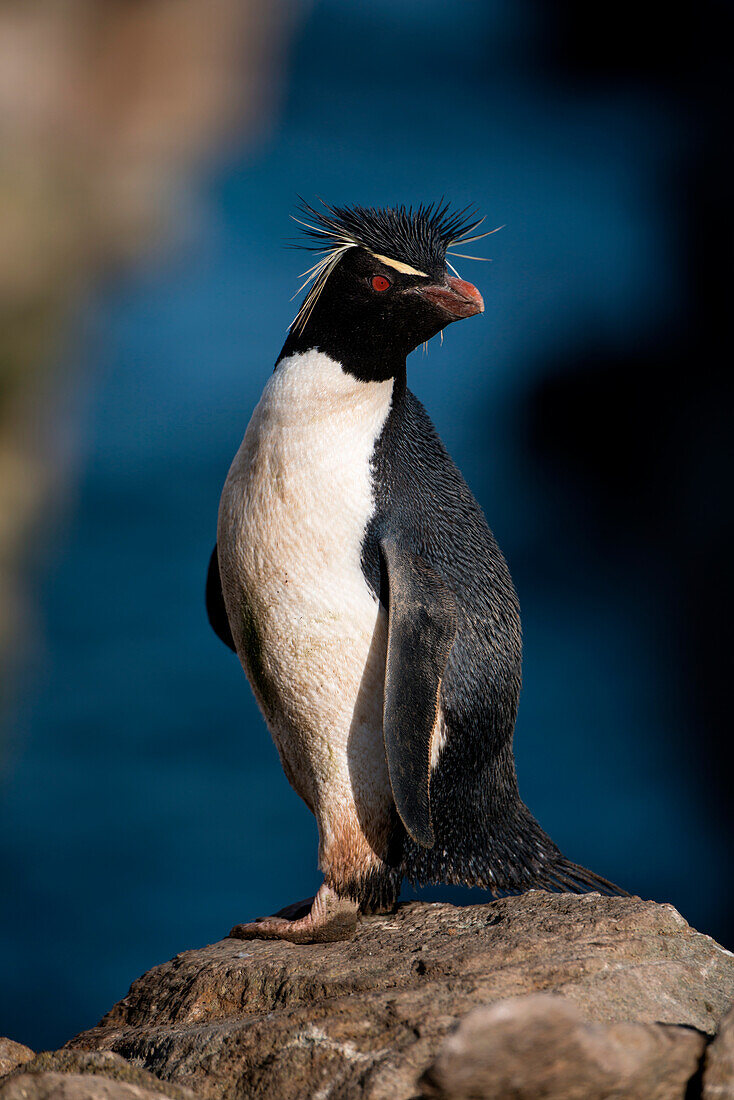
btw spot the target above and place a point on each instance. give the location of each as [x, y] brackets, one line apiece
[366, 759]
[370, 781]
[453, 895]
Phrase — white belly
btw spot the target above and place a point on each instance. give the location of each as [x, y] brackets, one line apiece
[308, 629]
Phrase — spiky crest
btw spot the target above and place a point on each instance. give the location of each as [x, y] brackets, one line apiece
[415, 240]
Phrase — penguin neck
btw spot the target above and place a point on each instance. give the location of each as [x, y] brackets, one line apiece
[358, 353]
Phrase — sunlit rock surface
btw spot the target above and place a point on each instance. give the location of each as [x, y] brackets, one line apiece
[377, 1017]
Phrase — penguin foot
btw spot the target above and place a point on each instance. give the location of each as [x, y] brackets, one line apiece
[326, 918]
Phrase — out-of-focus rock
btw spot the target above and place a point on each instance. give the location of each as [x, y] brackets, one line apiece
[72, 1086]
[541, 1045]
[75, 1075]
[368, 1017]
[718, 1074]
[108, 110]
[12, 1055]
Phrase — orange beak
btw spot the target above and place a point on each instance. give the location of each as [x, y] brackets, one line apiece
[457, 297]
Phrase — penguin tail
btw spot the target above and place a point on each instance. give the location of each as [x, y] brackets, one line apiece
[571, 878]
[504, 852]
[521, 856]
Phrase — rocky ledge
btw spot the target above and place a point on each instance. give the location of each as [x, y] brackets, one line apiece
[554, 995]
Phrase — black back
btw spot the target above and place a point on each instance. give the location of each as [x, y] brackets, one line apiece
[484, 834]
[422, 499]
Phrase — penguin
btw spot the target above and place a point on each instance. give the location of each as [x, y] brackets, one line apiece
[358, 582]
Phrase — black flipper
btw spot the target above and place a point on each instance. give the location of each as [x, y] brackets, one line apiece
[422, 627]
[215, 608]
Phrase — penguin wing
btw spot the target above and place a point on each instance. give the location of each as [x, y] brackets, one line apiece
[215, 608]
[422, 624]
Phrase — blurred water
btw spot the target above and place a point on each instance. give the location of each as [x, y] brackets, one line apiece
[144, 810]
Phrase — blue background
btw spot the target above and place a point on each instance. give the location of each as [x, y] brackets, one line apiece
[144, 810]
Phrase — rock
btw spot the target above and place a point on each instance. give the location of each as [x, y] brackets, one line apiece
[77, 1075]
[366, 1018]
[72, 1086]
[718, 1073]
[541, 1045]
[12, 1055]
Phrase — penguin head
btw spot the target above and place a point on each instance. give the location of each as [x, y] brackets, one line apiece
[382, 285]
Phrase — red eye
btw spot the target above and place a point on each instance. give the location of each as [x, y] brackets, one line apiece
[379, 282]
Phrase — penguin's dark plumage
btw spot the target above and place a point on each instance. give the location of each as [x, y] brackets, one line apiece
[360, 585]
[215, 608]
[484, 835]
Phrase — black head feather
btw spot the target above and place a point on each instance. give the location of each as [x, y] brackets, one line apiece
[419, 237]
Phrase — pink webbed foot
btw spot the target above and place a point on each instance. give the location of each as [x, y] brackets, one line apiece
[328, 918]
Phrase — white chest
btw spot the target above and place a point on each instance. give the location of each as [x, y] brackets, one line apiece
[293, 515]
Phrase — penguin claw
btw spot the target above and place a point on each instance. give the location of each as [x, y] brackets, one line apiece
[328, 918]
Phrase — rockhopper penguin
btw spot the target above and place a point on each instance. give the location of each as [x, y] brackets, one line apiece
[357, 580]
